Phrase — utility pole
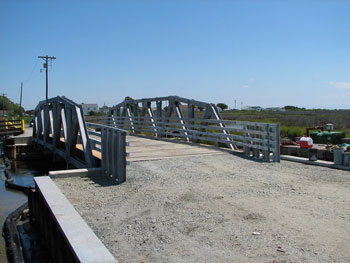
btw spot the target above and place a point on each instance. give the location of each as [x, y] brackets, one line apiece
[46, 66]
[20, 101]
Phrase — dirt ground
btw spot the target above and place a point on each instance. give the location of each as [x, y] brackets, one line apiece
[219, 208]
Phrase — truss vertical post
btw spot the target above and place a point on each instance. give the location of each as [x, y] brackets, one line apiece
[46, 124]
[190, 114]
[136, 117]
[69, 122]
[159, 115]
[56, 124]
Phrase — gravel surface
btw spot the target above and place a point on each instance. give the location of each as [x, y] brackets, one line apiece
[219, 208]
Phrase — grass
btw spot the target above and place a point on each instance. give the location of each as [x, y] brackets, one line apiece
[294, 123]
[292, 131]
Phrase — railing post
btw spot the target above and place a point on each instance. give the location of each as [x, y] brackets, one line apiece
[266, 153]
[109, 158]
[246, 148]
[136, 116]
[256, 151]
[159, 118]
[190, 114]
[104, 149]
[121, 157]
[276, 153]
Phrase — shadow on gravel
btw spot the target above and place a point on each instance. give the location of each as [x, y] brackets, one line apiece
[100, 179]
[248, 158]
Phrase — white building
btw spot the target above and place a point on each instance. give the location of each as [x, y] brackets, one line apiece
[89, 107]
[253, 108]
[275, 109]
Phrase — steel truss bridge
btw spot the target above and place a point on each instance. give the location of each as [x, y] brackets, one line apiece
[59, 125]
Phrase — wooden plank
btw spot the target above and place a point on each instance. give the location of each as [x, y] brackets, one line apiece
[143, 149]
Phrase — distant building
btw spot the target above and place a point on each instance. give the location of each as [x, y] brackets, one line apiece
[89, 107]
[104, 109]
[275, 109]
[252, 108]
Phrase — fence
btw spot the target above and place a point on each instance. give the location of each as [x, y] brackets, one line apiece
[11, 127]
[111, 143]
[254, 138]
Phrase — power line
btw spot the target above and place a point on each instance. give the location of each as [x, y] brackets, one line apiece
[32, 71]
[46, 66]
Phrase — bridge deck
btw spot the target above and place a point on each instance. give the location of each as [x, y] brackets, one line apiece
[143, 149]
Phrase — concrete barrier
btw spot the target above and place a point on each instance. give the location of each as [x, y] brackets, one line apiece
[67, 235]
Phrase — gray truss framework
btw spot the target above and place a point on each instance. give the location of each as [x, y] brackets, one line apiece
[136, 109]
[59, 126]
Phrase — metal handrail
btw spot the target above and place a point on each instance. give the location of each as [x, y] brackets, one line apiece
[112, 146]
[255, 138]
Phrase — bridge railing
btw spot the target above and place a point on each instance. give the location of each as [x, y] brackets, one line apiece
[60, 127]
[11, 127]
[259, 140]
[111, 143]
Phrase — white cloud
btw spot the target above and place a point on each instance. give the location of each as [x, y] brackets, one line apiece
[340, 85]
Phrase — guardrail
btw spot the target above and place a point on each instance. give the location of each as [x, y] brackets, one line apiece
[111, 143]
[11, 127]
[254, 138]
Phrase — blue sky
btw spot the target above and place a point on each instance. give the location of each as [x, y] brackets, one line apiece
[266, 53]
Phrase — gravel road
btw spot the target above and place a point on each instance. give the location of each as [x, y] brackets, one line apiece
[219, 208]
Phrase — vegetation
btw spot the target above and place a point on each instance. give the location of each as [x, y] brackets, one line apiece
[10, 109]
[294, 121]
[288, 107]
[94, 113]
[222, 106]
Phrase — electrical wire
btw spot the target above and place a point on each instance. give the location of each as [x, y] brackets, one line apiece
[31, 73]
